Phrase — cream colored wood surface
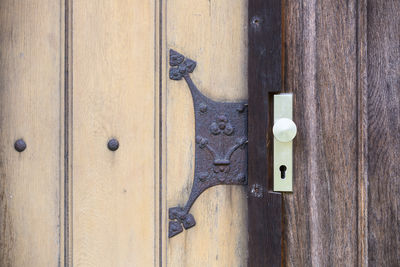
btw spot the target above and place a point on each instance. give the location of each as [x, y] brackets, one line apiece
[112, 88]
[114, 95]
[30, 97]
[214, 34]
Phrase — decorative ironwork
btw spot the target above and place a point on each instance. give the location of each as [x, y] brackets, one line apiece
[221, 139]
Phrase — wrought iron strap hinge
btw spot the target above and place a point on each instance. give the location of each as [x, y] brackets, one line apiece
[221, 143]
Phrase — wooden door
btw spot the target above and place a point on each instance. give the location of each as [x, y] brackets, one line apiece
[76, 74]
[343, 66]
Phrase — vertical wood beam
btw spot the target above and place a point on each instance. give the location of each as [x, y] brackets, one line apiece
[214, 34]
[264, 77]
[114, 193]
[383, 155]
[30, 97]
[321, 216]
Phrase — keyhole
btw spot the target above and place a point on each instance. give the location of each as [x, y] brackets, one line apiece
[283, 169]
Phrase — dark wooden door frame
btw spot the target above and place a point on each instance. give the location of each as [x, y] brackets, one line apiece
[264, 78]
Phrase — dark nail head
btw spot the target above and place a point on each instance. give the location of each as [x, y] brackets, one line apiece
[255, 21]
[20, 145]
[113, 144]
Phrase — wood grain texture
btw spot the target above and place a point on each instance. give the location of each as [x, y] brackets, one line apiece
[30, 95]
[320, 217]
[264, 77]
[362, 124]
[342, 62]
[213, 33]
[383, 133]
[114, 96]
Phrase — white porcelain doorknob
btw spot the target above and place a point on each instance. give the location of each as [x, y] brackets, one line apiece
[284, 130]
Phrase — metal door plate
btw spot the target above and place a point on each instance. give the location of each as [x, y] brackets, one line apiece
[283, 151]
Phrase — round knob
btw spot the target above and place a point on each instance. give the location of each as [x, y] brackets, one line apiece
[284, 130]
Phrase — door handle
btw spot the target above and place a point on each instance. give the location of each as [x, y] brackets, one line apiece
[284, 130]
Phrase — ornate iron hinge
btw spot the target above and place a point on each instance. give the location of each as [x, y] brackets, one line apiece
[221, 143]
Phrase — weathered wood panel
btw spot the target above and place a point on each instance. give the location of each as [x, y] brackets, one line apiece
[383, 133]
[343, 64]
[30, 97]
[320, 217]
[114, 96]
[213, 33]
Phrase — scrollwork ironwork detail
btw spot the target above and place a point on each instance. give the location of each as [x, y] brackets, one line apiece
[221, 138]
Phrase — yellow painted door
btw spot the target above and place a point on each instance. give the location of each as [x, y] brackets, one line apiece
[78, 73]
[75, 74]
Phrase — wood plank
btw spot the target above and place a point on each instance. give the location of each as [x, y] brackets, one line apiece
[114, 96]
[30, 96]
[383, 133]
[214, 34]
[362, 131]
[264, 77]
[321, 215]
